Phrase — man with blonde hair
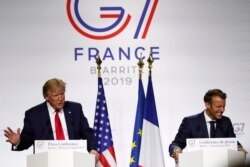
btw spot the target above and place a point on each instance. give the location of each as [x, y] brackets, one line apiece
[42, 121]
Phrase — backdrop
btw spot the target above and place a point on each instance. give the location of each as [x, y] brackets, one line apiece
[197, 45]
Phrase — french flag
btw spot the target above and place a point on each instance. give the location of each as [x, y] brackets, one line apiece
[151, 153]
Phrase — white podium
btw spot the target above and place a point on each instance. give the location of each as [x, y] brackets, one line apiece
[61, 158]
[211, 157]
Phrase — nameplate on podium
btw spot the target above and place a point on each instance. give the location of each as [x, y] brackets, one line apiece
[203, 143]
[66, 145]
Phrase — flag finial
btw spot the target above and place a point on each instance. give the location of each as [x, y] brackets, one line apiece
[150, 62]
[140, 65]
[98, 62]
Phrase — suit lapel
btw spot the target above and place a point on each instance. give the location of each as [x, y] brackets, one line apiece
[202, 122]
[46, 123]
[69, 121]
[219, 129]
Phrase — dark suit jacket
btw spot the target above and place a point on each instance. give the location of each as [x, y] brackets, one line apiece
[195, 127]
[37, 125]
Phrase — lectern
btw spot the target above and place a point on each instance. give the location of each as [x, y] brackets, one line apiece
[211, 157]
[61, 158]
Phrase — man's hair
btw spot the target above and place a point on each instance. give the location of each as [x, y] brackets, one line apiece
[214, 92]
[51, 84]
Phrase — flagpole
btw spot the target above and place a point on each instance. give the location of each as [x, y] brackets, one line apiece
[99, 62]
[150, 64]
[102, 127]
[136, 142]
[151, 155]
[140, 65]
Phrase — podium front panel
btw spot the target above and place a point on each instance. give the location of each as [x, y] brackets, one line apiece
[61, 159]
[210, 157]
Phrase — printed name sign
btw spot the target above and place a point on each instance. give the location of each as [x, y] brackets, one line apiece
[69, 145]
[204, 143]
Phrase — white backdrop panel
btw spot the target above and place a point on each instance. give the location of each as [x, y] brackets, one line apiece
[202, 45]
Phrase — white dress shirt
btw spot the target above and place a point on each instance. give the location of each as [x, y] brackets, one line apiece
[208, 119]
[52, 114]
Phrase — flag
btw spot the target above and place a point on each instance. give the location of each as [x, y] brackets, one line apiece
[151, 153]
[102, 130]
[136, 143]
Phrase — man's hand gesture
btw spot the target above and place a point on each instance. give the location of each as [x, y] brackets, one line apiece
[12, 137]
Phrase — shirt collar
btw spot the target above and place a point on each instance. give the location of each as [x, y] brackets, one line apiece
[51, 109]
[207, 118]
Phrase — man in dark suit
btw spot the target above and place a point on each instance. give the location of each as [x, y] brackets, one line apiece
[198, 126]
[39, 121]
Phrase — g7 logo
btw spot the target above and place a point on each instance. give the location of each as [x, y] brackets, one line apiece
[121, 20]
[238, 127]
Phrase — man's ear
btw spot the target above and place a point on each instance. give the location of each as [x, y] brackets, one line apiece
[208, 105]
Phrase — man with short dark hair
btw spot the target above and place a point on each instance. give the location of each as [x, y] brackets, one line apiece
[200, 125]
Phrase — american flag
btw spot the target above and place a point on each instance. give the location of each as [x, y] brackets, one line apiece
[102, 130]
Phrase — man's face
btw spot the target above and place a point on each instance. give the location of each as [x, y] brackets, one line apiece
[56, 98]
[216, 108]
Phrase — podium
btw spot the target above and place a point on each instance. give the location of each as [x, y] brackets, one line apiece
[211, 157]
[61, 158]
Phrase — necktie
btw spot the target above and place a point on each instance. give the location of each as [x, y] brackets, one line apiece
[212, 129]
[58, 126]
